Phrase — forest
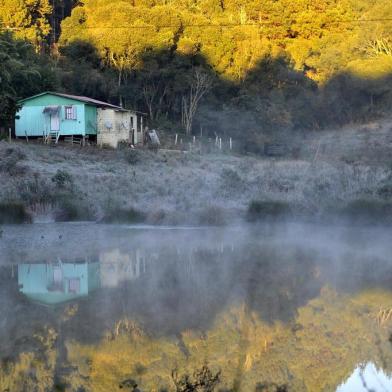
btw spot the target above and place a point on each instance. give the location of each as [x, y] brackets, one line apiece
[226, 67]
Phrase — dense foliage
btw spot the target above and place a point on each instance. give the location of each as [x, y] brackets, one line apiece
[271, 65]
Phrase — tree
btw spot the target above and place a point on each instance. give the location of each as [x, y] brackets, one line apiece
[199, 84]
[29, 19]
[22, 73]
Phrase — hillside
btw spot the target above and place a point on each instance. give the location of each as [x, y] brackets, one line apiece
[268, 67]
[326, 174]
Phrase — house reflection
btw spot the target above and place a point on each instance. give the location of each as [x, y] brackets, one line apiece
[63, 281]
[118, 268]
[51, 284]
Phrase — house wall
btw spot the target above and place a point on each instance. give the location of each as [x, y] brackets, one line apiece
[33, 122]
[118, 267]
[35, 278]
[94, 276]
[73, 127]
[113, 127]
[91, 119]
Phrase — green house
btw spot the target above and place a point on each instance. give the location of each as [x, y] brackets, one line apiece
[52, 284]
[53, 115]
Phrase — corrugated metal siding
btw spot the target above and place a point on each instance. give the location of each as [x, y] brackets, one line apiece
[33, 122]
[73, 127]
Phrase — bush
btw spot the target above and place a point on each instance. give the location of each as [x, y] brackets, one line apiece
[231, 178]
[124, 215]
[385, 191]
[212, 216]
[62, 179]
[13, 213]
[132, 156]
[156, 217]
[35, 191]
[260, 210]
[69, 210]
[368, 211]
[9, 159]
[203, 379]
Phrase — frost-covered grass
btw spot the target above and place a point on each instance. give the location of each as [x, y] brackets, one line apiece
[172, 187]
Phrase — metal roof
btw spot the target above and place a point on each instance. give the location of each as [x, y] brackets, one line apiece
[80, 98]
[89, 100]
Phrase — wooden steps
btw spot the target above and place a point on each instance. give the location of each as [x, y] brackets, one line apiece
[52, 137]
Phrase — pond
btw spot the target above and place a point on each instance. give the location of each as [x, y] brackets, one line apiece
[294, 307]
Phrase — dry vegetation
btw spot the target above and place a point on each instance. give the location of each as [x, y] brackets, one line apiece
[324, 173]
[315, 352]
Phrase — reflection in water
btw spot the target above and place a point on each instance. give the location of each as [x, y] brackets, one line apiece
[244, 311]
[367, 378]
[59, 282]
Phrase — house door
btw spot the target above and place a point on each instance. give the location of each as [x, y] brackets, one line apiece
[55, 122]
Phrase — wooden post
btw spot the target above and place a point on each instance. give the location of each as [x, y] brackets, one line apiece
[220, 143]
[141, 128]
[231, 143]
[9, 135]
[176, 139]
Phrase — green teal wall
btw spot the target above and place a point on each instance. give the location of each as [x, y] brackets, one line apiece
[94, 276]
[34, 279]
[91, 119]
[33, 122]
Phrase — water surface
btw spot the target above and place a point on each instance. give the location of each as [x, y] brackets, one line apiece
[294, 307]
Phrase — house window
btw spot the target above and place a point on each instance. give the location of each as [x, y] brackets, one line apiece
[70, 113]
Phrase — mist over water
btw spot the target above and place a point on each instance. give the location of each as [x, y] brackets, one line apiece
[291, 306]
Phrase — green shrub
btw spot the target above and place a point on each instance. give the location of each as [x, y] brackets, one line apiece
[9, 160]
[62, 179]
[368, 211]
[124, 215]
[69, 210]
[156, 217]
[385, 191]
[212, 216]
[132, 156]
[12, 213]
[231, 178]
[260, 210]
[35, 191]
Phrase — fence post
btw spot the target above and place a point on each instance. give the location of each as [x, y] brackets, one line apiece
[194, 139]
[231, 144]
[220, 143]
[176, 139]
[9, 134]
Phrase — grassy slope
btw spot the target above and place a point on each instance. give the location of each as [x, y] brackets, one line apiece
[330, 169]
